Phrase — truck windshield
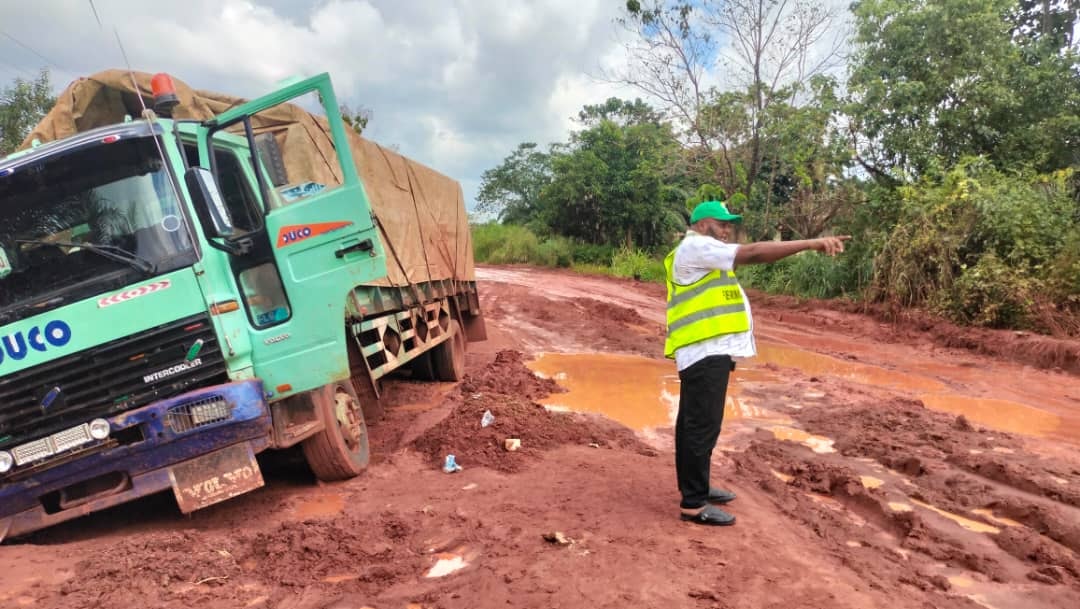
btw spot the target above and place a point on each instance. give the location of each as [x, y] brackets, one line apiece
[116, 198]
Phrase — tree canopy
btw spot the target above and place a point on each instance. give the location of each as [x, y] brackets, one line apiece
[22, 105]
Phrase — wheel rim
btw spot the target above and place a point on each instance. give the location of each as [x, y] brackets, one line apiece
[347, 413]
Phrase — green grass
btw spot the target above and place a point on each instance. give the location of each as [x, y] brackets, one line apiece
[510, 244]
[807, 275]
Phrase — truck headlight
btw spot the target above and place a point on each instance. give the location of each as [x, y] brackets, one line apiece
[99, 429]
[210, 412]
[6, 461]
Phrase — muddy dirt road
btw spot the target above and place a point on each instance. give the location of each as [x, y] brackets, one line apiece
[875, 467]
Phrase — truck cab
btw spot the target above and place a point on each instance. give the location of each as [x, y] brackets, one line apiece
[171, 305]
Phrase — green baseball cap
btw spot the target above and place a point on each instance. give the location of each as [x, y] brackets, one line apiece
[715, 210]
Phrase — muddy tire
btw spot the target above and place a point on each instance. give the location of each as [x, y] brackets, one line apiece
[339, 451]
[422, 368]
[448, 359]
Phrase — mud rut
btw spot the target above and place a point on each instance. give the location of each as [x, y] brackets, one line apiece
[852, 491]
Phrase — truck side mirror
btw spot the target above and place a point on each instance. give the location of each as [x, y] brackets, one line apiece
[209, 205]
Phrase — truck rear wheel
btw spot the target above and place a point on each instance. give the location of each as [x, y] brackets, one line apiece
[340, 450]
[448, 358]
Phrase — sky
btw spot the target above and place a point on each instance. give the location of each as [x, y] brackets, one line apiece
[454, 84]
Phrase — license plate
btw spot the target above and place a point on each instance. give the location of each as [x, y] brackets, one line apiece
[216, 477]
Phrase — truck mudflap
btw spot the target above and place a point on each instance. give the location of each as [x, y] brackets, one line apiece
[202, 465]
[213, 478]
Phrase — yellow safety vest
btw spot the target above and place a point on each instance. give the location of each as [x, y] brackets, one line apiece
[711, 306]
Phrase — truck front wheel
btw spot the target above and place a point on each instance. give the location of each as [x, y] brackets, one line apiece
[340, 450]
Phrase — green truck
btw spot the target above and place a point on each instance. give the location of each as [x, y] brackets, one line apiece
[188, 279]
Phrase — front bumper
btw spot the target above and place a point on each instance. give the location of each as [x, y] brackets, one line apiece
[136, 460]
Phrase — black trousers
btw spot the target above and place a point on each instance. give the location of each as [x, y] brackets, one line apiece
[702, 391]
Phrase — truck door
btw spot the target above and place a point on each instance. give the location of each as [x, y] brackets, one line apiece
[295, 261]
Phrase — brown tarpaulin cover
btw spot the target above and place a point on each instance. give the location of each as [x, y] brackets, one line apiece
[422, 212]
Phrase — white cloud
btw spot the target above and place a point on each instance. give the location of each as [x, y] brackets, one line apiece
[455, 84]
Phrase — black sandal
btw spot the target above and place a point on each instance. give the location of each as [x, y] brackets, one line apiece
[719, 496]
[711, 516]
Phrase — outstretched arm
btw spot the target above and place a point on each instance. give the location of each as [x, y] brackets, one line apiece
[763, 252]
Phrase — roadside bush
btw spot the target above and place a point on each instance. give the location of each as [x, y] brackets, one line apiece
[808, 275]
[983, 247]
[506, 244]
[556, 251]
[989, 294]
[591, 253]
[637, 264]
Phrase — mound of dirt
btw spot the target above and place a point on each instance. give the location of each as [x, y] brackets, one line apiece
[507, 389]
[299, 554]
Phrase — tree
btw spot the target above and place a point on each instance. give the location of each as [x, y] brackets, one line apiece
[1049, 22]
[22, 105]
[356, 119]
[621, 112]
[611, 184]
[776, 46]
[938, 80]
[511, 191]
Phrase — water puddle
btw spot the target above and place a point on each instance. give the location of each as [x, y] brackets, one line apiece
[896, 506]
[998, 414]
[871, 482]
[818, 444]
[337, 579]
[643, 393]
[320, 506]
[782, 476]
[447, 564]
[967, 523]
[743, 409]
[989, 515]
[818, 364]
[961, 581]
[638, 392]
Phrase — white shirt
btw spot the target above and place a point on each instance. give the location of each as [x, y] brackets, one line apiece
[695, 257]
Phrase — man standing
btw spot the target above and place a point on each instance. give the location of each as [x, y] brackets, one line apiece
[708, 324]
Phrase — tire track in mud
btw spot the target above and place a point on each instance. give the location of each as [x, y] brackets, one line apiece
[959, 508]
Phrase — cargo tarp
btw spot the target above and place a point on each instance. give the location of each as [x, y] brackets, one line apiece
[422, 212]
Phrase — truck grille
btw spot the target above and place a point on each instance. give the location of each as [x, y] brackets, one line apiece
[117, 376]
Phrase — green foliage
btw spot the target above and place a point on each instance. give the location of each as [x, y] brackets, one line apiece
[357, 120]
[933, 82]
[506, 244]
[556, 251]
[990, 294]
[608, 183]
[1063, 273]
[512, 190]
[495, 243]
[808, 275]
[592, 253]
[707, 192]
[22, 105]
[637, 264]
[980, 245]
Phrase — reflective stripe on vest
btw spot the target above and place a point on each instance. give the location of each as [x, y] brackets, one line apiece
[711, 306]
